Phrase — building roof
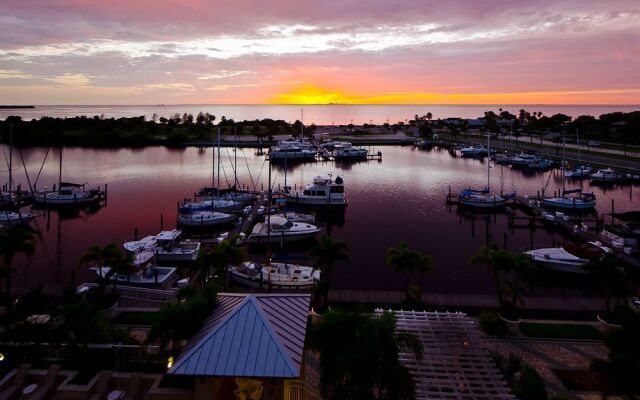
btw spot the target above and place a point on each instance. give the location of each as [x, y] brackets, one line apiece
[249, 335]
[456, 364]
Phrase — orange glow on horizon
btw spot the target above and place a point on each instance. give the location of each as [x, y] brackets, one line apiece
[311, 94]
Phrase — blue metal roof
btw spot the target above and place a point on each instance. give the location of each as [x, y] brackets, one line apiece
[259, 335]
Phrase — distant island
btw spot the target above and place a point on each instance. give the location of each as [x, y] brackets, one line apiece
[13, 107]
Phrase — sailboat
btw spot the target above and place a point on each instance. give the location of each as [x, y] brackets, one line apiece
[579, 201]
[482, 199]
[580, 171]
[279, 229]
[66, 194]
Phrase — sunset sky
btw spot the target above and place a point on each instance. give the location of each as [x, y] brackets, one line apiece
[330, 51]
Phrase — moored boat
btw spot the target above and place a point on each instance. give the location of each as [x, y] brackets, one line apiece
[580, 201]
[343, 151]
[275, 275]
[167, 246]
[205, 218]
[604, 175]
[568, 258]
[280, 230]
[323, 191]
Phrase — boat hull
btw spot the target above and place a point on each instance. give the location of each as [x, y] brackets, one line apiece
[568, 205]
[281, 237]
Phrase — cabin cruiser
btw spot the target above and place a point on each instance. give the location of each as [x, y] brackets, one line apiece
[523, 159]
[345, 151]
[67, 194]
[580, 201]
[481, 199]
[205, 218]
[276, 275]
[604, 175]
[568, 258]
[323, 191]
[167, 246]
[204, 205]
[329, 145]
[13, 218]
[473, 151]
[579, 172]
[292, 150]
[280, 230]
[145, 273]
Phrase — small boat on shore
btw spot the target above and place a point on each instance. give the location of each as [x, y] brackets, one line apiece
[281, 230]
[275, 275]
[324, 191]
[167, 246]
[205, 218]
[568, 258]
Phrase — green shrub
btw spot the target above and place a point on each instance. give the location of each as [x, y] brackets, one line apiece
[491, 323]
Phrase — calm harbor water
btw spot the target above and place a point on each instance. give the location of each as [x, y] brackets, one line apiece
[318, 114]
[400, 198]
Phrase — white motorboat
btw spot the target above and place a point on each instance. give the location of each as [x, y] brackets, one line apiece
[166, 246]
[473, 151]
[67, 194]
[604, 175]
[292, 150]
[568, 258]
[557, 258]
[296, 217]
[329, 145]
[13, 218]
[522, 159]
[205, 218]
[582, 171]
[323, 191]
[580, 201]
[347, 151]
[210, 205]
[275, 275]
[280, 230]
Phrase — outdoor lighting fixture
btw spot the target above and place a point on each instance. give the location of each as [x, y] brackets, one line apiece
[169, 362]
[1, 356]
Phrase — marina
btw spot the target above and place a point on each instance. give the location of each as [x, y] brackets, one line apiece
[421, 190]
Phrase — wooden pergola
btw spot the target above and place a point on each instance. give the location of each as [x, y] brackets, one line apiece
[455, 365]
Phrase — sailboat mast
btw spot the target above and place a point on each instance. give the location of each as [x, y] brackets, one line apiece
[218, 188]
[213, 165]
[10, 157]
[235, 158]
[60, 164]
[564, 165]
[488, 159]
[578, 143]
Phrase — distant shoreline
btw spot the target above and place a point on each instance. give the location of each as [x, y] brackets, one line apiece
[13, 107]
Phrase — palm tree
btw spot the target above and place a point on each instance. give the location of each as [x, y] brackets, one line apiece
[606, 271]
[326, 253]
[224, 254]
[407, 261]
[497, 261]
[14, 240]
[359, 356]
